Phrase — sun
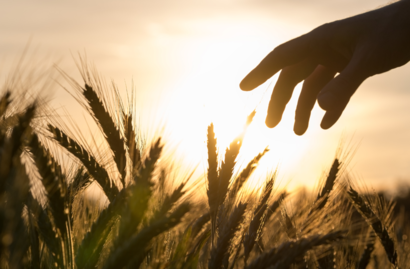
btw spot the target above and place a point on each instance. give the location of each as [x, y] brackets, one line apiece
[211, 94]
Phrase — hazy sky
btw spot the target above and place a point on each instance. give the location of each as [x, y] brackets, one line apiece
[186, 59]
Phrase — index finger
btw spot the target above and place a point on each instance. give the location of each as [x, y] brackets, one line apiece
[286, 54]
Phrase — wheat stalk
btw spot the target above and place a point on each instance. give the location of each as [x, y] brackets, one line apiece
[80, 182]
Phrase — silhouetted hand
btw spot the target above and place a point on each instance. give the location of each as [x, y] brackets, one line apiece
[356, 47]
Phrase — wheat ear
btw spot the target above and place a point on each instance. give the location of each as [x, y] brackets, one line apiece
[110, 130]
[12, 202]
[93, 167]
[323, 195]
[258, 220]
[53, 181]
[212, 176]
[245, 174]
[289, 252]
[80, 182]
[12, 145]
[226, 170]
[371, 218]
[131, 137]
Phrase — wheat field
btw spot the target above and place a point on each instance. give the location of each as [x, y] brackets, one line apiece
[149, 219]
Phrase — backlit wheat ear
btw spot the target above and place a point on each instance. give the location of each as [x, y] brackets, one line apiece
[226, 170]
[371, 218]
[53, 181]
[323, 195]
[145, 172]
[225, 175]
[245, 174]
[275, 206]
[225, 237]
[212, 176]
[80, 182]
[289, 225]
[22, 128]
[89, 162]
[12, 224]
[110, 130]
[134, 151]
[11, 147]
[292, 251]
[258, 220]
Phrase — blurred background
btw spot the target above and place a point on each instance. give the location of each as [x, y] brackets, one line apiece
[185, 60]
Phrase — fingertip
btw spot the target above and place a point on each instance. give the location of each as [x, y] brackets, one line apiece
[272, 121]
[298, 132]
[325, 124]
[246, 85]
[330, 118]
[299, 129]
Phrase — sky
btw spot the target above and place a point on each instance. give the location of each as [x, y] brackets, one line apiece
[185, 58]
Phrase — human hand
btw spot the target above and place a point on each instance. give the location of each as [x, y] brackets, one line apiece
[357, 47]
